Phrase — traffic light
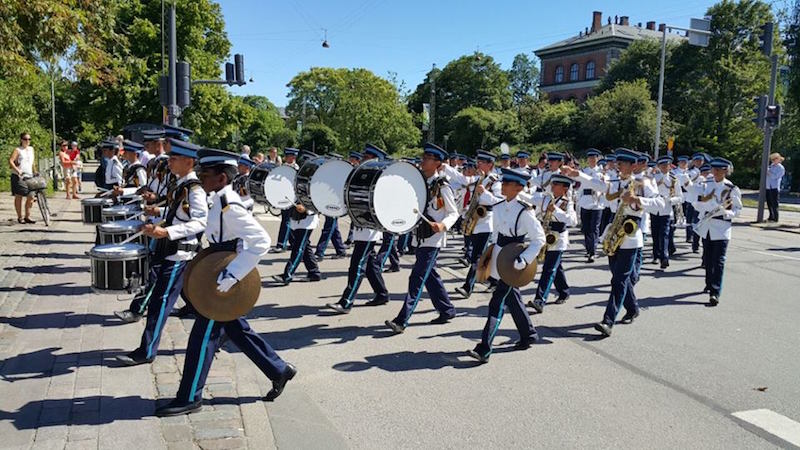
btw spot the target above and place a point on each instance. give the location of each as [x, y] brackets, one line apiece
[183, 70]
[765, 39]
[760, 110]
[773, 116]
[238, 61]
[230, 76]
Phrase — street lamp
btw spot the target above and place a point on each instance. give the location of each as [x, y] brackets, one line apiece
[699, 32]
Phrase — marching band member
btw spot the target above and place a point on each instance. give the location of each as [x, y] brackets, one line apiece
[623, 261]
[489, 193]
[610, 173]
[696, 195]
[239, 183]
[513, 220]
[590, 203]
[177, 242]
[721, 201]
[693, 173]
[562, 214]
[503, 162]
[442, 213]
[113, 174]
[523, 161]
[135, 175]
[289, 159]
[363, 259]
[542, 182]
[681, 172]
[230, 227]
[670, 190]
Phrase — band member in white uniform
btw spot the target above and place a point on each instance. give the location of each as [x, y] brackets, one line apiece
[591, 205]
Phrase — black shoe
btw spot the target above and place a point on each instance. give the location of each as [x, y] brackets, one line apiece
[695, 250]
[654, 261]
[280, 383]
[628, 318]
[482, 359]
[713, 300]
[281, 279]
[462, 292]
[132, 359]
[277, 250]
[664, 264]
[338, 308]
[319, 257]
[128, 316]
[176, 408]
[441, 320]
[562, 299]
[464, 261]
[706, 290]
[522, 344]
[314, 277]
[339, 256]
[348, 243]
[537, 305]
[377, 302]
[604, 329]
[397, 329]
[391, 270]
[183, 312]
[590, 259]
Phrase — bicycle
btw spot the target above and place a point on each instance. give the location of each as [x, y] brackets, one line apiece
[37, 186]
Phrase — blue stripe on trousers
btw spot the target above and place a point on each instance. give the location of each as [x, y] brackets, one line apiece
[358, 276]
[201, 360]
[163, 307]
[422, 285]
[499, 318]
[300, 250]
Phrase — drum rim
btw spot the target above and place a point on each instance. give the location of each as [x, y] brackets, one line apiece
[376, 224]
[141, 251]
[332, 160]
[291, 205]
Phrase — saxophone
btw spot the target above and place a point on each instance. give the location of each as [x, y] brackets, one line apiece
[550, 237]
[619, 228]
[474, 210]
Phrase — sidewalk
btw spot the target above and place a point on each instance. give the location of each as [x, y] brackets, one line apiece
[61, 387]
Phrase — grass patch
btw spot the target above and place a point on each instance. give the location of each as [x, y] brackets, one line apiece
[753, 203]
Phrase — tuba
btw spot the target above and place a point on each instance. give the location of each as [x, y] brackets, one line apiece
[620, 228]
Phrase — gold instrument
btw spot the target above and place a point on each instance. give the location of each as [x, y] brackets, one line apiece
[475, 211]
[200, 287]
[702, 225]
[551, 237]
[677, 210]
[620, 228]
[505, 266]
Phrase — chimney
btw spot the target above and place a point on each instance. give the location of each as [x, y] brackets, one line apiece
[609, 20]
[662, 27]
[586, 31]
[616, 20]
[651, 25]
[639, 25]
[597, 20]
[624, 21]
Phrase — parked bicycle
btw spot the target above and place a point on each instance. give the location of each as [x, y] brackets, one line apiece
[37, 185]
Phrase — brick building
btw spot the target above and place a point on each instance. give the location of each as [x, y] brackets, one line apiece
[572, 68]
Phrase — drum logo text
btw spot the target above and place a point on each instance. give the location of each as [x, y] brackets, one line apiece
[398, 222]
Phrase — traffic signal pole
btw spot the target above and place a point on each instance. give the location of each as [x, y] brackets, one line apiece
[172, 89]
[768, 129]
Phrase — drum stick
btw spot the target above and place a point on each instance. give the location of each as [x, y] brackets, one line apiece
[138, 234]
[416, 211]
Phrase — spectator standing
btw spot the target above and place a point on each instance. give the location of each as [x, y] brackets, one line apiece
[775, 174]
[273, 156]
[66, 168]
[259, 158]
[246, 151]
[77, 167]
[21, 163]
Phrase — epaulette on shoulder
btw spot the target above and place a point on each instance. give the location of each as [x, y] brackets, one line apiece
[495, 204]
[728, 182]
[525, 204]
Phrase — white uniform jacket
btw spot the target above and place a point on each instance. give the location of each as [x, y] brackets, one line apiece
[447, 213]
[515, 218]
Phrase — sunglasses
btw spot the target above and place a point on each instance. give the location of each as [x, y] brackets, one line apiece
[26, 139]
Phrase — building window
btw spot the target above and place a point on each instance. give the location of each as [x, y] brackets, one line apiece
[559, 74]
[573, 72]
[590, 70]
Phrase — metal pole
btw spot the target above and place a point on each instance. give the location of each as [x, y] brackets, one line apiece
[762, 185]
[432, 129]
[657, 142]
[172, 89]
[53, 109]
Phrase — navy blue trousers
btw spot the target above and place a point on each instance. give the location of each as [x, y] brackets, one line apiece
[715, 265]
[659, 227]
[622, 266]
[349, 239]
[590, 227]
[330, 234]
[301, 250]
[204, 340]
[424, 275]
[502, 297]
[388, 251]
[167, 287]
[142, 299]
[283, 229]
[552, 273]
[688, 214]
[605, 218]
[406, 244]
[363, 262]
[478, 243]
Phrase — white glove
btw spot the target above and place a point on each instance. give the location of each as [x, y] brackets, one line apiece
[225, 281]
[520, 264]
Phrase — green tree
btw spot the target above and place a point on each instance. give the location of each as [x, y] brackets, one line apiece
[475, 128]
[523, 79]
[319, 138]
[542, 121]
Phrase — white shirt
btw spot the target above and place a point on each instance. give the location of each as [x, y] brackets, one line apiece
[186, 226]
[718, 228]
[310, 222]
[564, 212]
[114, 172]
[505, 215]
[775, 173]
[665, 185]
[24, 160]
[365, 234]
[234, 221]
[447, 214]
[589, 198]
[490, 196]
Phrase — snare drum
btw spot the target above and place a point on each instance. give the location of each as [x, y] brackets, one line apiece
[117, 231]
[255, 182]
[92, 209]
[320, 185]
[279, 187]
[383, 195]
[118, 268]
[121, 212]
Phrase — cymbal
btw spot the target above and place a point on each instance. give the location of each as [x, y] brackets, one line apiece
[200, 287]
[505, 266]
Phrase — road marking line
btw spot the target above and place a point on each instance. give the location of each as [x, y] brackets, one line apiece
[773, 423]
[775, 254]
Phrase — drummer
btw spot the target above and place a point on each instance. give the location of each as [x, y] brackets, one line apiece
[363, 259]
[135, 175]
[442, 213]
[229, 223]
[302, 223]
[512, 221]
[239, 184]
[330, 233]
[177, 242]
[113, 172]
[289, 159]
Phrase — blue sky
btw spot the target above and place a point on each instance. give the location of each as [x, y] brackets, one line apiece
[281, 38]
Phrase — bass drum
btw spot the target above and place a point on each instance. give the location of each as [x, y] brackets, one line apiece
[255, 182]
[383, 195]
[320, 185]
[279, 187]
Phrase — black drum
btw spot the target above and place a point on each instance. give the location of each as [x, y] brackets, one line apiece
[118, 268]
[117, 231]
[92, 209]
[386, 196]
[255, 182]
